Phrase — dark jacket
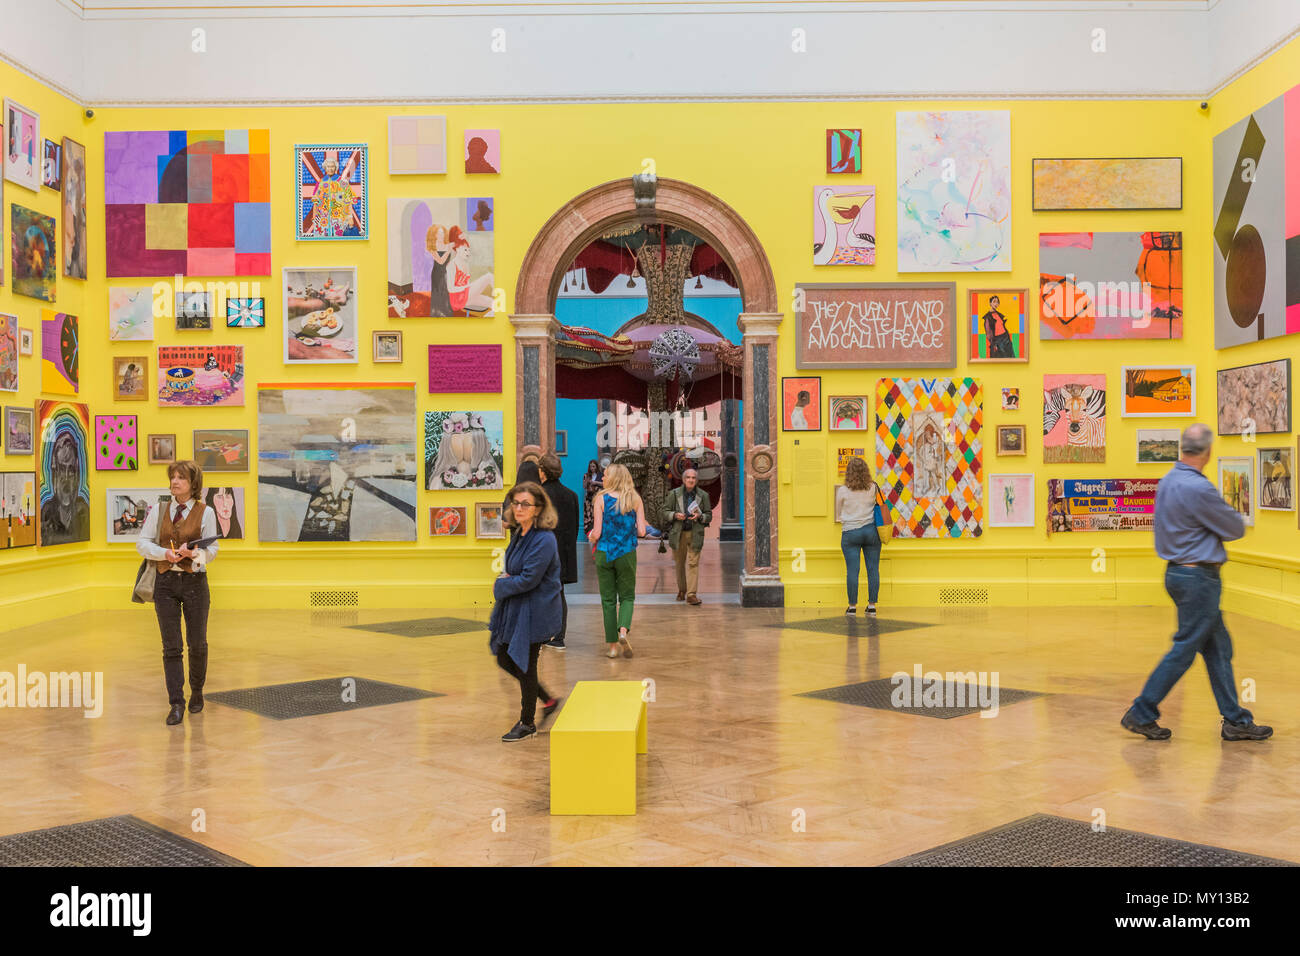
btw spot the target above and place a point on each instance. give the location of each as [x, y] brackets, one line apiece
[675, 502]
[566, 530]
[527, 609]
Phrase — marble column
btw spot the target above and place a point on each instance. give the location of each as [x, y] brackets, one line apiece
[760, 582]
[534, 384]
[731, 529]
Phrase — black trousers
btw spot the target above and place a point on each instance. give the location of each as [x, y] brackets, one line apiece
[564, 615]
[178, 594]
[530, 688]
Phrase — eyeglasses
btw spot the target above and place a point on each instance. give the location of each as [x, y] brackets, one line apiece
[523, 504]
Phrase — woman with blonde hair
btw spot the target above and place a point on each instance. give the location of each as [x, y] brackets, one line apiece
[855, 509]
[618, 519]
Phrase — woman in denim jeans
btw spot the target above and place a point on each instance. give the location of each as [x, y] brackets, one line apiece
[855, 508]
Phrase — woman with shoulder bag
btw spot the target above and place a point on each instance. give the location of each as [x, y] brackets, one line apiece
[859, 506]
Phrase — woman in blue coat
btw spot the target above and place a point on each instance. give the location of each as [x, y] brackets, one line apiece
[527, 609]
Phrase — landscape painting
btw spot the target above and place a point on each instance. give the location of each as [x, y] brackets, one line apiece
[1157, 446]
[1158, 392]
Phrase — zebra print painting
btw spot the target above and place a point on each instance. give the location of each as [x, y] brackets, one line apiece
[1074, 418]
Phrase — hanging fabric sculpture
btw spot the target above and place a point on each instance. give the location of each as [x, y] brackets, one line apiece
[675, 355]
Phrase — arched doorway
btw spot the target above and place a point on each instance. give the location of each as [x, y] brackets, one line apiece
[676, 203]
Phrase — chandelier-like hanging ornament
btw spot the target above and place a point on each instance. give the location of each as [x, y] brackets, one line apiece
[675, 354]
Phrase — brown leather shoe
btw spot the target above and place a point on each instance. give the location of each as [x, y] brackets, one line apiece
[681, 595]
[692, 599]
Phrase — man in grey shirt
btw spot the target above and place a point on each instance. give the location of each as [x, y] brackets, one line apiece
[1192, 522]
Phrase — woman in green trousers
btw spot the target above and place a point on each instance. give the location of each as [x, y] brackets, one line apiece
[618, 519]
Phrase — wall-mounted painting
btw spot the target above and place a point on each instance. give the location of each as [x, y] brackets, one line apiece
[1011, 501]
[1094, 185]
[844, 225]
[332, 191]
[60, 353]
[1161, 391]
[1255, 399]
[117, 446]
[51, 163]
[1157, 446]
[18, 430]
[1110, 285]
[482, 150]
[843, 151]
[488, 520]
[227, 504]
[1012, 440]
[35, 260]
[998, 325]
[463, 450]
[73, 186]
[1074, 418]
[8, 352]
[130, 313]
[245, 313]
[1237, 485]
[320, 316]
[386, 345]
[447, 522]
[336, 462]
[25, 338]
[130, 378]
[22, 145]
[17, 509]
[1010, 399]
[417, 145]
[801, 403]
[188, 202]
[440, 257]
[847, 413]
[63, 472]
[162, 449]
[954, 191]
[877, 325]
[200, 375]
[1101, 504]
[127, 508]
[193, 311]
[221, 449]
[1276, 479]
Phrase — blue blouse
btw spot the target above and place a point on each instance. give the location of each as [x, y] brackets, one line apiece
[617, 531]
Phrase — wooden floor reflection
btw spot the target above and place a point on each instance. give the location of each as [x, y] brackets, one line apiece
[735, 757]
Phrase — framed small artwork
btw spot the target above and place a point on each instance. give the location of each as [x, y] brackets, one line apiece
[1157, 446]
[488, 520]
[244, 313]
[844, 225]
[1011, 440]
[227, 504]
[221, 449]
[386, 345]
[25, 338]
[844, 151]
[22, 133]
[561, 442]
[998, 325]
[130, 313]
[18, 430]
[1011, 399]
[51, 166]
[847, 413]
[17, 509]
[35, 260]
[447, 522]
[1011, 501]
[8, 352]
[1163, 391]
[162, 449]
[130, 378]
[482, 150]
[193, 311]
[1276, 479]
[117, 446]
[1255, 398]
[320, 316]
[417, 145]
[126, 510]
[1237, 485]
[801, 403]
[333, 191]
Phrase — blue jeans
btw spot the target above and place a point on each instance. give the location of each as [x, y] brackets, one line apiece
[864, 542]
[1200, 628]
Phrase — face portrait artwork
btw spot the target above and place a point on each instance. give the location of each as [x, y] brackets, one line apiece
[801, 400]
[63, 473]
[228, 505]
[463, 450]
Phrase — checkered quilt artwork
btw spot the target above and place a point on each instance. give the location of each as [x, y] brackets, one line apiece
[929, 455]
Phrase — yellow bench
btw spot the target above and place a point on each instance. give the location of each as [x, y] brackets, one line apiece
[594, 743]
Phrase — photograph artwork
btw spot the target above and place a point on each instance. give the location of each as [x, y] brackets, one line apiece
[22, 145]
[320, 316]
[127, 508]
[1157, 446]
[193, 311]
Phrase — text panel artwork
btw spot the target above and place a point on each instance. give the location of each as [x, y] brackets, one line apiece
[912, 325]
[1102, 504]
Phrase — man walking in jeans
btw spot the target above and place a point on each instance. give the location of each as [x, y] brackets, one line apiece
[1192, 522]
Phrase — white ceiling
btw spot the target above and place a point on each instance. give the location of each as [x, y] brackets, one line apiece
[141, 52]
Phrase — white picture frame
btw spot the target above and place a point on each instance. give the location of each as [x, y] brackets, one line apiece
[301, 278]
[994, 507]
[1189, 371]
[23, 169]
[114, 501]
[1236, 463]
[1157, 435]
[1287, 457]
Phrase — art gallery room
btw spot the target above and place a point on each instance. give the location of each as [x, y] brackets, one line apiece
[849, 454]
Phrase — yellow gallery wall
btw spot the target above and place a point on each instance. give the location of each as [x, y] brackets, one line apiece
[761, 158]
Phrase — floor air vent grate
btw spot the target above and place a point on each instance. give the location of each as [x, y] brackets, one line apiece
[963, 596]
[333, 599]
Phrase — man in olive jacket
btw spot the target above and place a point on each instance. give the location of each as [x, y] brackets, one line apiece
[686, 513]
[566, 534]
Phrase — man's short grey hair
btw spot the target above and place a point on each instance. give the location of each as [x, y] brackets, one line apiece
[1196, 440]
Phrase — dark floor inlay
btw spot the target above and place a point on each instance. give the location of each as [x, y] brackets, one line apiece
[311, 698]
[1043, 840]
[941, 699]
[858, 626]
[112, 841]
[424, 627]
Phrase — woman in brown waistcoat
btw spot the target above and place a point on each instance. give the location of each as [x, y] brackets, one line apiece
[182, 586]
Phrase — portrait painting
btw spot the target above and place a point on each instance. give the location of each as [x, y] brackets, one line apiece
[73, 187]
[440, 257]
[227, 506]
[63, 473]
[333, 191]
[998, 328]
[801, 403]
[482, 150]
[463, 449]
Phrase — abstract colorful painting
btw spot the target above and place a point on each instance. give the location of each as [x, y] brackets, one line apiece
[63, 473]
[73, 186]
[954, 191]
[482, 150]
[192, 376]
[8, 352]
[117, 446]
[246, 313]
[1101, 504]
[1276, 479]
[130, 378]
[1157, 446]
[440, 257]
[18, 430]
[227, 504]
[191, 203]
[18, 509]
[463, 450]
[1256, 175]
[60, 353]
[844, 225]
[417, 145]
[1110, 285]
[130, 313]
[844, 151]
[51, 162]
[1237, 485]
[332, 191]
[1255, 399]
[801, 403]
[1099, 184]
[488, 520]
[848, 413]
[320, 316]
[1161, 391]
[22, 146]
[221, 449]
[336, 462]
[1011, 501]
[447, 522]
[929, 455]
[1074, 418]
[998, 325]
[35, 260]
[128, 508]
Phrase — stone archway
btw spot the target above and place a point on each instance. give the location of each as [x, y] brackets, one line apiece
[644, 199]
